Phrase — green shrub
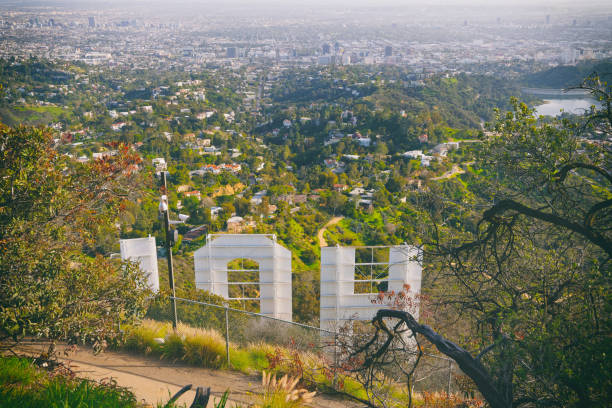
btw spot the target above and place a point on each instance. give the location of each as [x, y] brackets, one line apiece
[173, 347]
[204, 350]
[24, 385]
[141, 338]
[14, 371]
[63, 393]
[249, 360]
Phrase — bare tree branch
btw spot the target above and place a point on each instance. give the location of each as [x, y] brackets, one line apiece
[468, 364]
[510, 205]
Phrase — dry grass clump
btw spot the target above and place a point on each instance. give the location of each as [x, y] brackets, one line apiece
[141, 338]
[195, 346]
[444, 400]
[189, 331]
[201, 346]
[282, 393]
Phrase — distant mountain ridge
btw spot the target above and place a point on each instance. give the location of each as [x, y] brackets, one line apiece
[565, 76]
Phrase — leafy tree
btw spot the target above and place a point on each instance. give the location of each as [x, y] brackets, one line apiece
[530, 277]
[242, 206]
[198, 213]
[334, 200]
[53, 283]
[394, 184]
[381, 148]
[306, 296]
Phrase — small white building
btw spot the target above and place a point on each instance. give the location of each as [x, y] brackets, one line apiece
[258, 197]
[364, 141]
[413, 154]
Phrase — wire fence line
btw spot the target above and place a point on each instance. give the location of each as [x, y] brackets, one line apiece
[243, 328]
[246, 312]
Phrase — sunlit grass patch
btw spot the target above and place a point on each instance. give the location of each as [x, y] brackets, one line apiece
[24, 385]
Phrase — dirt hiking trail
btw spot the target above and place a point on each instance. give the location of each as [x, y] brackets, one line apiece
[153, 380]
[321, 239]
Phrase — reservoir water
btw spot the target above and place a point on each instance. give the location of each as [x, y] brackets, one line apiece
[556, 100]
[553, 107]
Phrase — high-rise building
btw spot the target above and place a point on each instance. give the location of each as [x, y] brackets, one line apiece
[388, 51]
[548, 19]
[326, 49]
[92, 22]
[231, 52]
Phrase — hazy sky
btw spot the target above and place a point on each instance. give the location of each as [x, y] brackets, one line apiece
[346, 3]
[461, 9]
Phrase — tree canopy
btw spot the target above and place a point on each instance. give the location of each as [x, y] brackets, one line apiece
[54, 281]
[524, 279]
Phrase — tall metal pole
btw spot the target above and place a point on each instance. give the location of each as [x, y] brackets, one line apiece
[169, 253]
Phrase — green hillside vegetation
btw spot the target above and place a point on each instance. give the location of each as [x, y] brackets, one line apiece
[33, 115]
[566, 76]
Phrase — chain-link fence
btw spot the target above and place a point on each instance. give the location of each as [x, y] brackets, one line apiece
[434, 373]
[244, 329]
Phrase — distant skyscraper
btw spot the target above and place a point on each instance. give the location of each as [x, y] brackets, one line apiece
[498, 20]
[92, 22]
[548, 19]
[388, 51]
[231, 52]
[574, 22]
[326, 49]
[465, 22]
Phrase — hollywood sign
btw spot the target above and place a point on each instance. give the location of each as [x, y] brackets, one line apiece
[255, 268]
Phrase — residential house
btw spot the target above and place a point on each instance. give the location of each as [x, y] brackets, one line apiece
[257, 198]
[118, 126]
[235, 225]
[194, 193]
[195, 233]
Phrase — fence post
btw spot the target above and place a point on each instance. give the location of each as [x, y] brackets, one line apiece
[450, 375]
[335, 380]
[227, 334]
